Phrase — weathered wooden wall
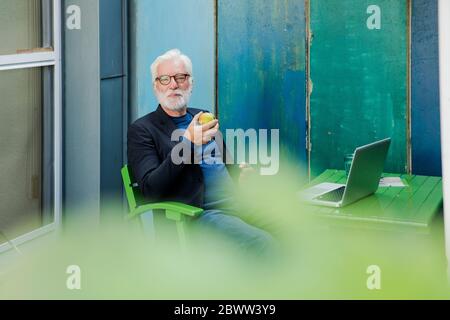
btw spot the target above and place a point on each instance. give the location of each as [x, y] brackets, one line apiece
[359, 78]
[261, 69]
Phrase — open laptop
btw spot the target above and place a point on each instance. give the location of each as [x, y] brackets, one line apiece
[363, 178]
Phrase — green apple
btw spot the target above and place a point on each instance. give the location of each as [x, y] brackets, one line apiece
[205, 118]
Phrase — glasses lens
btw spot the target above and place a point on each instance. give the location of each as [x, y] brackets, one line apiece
[180, 78]
[165, 80]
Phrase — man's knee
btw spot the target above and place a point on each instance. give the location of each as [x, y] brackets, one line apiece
[262, 243]
[246, 236]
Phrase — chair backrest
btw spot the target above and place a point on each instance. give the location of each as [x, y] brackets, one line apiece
[131, 188]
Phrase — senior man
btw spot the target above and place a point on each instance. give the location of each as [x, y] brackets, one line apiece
[207, 184]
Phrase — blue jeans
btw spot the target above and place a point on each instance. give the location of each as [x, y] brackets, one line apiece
[221, 218]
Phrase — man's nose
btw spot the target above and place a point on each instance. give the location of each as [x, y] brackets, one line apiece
[173, 84]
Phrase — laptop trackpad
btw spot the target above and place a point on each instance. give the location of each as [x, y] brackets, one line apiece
[319, 189]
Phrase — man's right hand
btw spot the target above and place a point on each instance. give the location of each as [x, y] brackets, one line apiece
[201, 134]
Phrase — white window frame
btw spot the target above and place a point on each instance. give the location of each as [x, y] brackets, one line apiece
[444, 75]
[42, 59]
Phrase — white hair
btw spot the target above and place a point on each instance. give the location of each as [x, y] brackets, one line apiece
[173, 54]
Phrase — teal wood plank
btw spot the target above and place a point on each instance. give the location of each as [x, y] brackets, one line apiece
[359, 78]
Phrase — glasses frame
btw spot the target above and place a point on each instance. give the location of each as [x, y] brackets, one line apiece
[187, 75]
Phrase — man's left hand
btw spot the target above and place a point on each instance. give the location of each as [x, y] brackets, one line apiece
[246, 172]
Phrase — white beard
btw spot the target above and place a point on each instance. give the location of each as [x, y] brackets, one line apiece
[174, 104]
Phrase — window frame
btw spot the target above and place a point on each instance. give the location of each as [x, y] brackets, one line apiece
[53, 58]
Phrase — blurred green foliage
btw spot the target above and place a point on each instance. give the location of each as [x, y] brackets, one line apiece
[314, 261]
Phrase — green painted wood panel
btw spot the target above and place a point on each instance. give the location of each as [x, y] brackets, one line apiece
[359, 77]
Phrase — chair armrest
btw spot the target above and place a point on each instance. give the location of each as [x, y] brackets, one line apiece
[169, 206]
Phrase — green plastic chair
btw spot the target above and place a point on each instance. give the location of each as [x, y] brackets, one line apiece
[177, 212]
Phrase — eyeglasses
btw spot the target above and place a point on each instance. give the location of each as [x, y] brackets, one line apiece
[179, 78]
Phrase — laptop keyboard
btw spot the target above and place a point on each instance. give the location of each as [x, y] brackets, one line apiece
[333, 196]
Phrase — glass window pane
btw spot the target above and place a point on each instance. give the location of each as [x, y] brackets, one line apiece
[22, 148]
[20, 25]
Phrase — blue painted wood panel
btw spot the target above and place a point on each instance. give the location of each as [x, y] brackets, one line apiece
[425, 121]
[261, 70]
[111, 139]
[111, 38]
[112, 103]
[158, 26]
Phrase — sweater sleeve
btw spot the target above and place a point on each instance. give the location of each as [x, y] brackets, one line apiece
[155, 176]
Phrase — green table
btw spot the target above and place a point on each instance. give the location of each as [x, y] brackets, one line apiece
[412, 207]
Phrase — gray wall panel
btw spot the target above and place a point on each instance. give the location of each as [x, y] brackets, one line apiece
[82, 114]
